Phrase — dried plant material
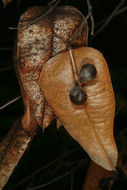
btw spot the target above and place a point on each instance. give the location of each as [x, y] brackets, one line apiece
[16, 142]
[48, 116]
[5, 2]
[12, 149]
[91, 124]
[98, 178]
[40, 41]
[36, 44]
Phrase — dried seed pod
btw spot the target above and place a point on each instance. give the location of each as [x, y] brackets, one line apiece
[78, 95]
[38, 42]
[91, 125]
[88, 72]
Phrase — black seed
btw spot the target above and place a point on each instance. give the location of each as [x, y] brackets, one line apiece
[88, 72]
[104, 183]
[78, 95]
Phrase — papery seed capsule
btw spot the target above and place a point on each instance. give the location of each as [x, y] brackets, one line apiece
[88, 72]
[78, 95]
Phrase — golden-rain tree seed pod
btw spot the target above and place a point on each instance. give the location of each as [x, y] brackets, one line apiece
[91, 124]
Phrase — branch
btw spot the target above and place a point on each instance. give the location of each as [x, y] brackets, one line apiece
[78, 31]
[115, 12]
[90, 15]
[57, 178]
[52, 5]
[7, 48]
[121, 10]
[10, 102]
[12, 28]
[6, 68]
[45, 167]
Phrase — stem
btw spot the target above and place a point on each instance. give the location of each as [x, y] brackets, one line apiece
[73, 63]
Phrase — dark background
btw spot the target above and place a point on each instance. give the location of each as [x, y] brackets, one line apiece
[48, 146]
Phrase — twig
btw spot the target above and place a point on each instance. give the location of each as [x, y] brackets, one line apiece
[115, 12]
[45, 167]
[90, 15]
[48, 10]
[52, 2]
[12, 28]
[50, 182]
[10, 102]
[121, 10]
[6, 49]
[56, 179]
[76, 162]
[31, 182]
[78, 31]
[6, 69]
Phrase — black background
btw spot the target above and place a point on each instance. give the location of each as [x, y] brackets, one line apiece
[46, 147]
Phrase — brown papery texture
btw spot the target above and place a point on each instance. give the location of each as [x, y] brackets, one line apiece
[91, 125]
[40, 41]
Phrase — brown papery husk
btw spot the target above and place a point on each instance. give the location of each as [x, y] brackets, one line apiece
[37, 42]
[91, 125]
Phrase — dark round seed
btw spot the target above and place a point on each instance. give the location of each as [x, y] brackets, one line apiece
[78, 95]
[88, 72]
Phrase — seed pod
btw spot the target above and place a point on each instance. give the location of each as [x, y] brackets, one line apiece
[40, 41]
[88, 72]
[78, 95]
[90, 125]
